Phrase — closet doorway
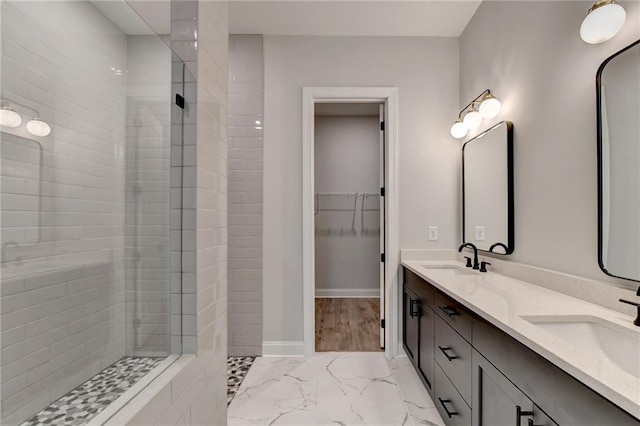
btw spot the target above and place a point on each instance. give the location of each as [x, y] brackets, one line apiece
[349, 225]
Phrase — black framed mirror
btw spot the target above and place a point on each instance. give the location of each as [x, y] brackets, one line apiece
[487, 190]
[618, 105]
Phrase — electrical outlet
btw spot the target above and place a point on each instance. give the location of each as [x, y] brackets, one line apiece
[479, 233]
[433, 233]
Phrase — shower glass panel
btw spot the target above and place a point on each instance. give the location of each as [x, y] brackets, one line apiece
[90, 192]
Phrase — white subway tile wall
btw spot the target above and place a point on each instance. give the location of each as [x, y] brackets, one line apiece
[193, 390]
[183, 177]
[148, 151]
[245, 194]
[62, 301]
[85, 210]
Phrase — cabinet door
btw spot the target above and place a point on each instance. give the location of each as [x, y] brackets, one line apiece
[540, 418]
[496, 401]
[427, 344]
[410, 323]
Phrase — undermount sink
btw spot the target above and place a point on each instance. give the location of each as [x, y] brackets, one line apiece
[594, 335]
[449, 269]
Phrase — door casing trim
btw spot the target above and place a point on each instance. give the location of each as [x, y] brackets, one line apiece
[388, 96]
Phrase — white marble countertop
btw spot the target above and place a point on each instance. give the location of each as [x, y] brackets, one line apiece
[504, 301]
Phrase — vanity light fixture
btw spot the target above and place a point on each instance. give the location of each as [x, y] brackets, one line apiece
[8, 116]
[459, 130]
[472, 119]
[485, 105]
[603, 21]
[490, 106]
[38, 127]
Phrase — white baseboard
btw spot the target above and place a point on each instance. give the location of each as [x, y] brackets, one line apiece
[347, 292]
[279, 348]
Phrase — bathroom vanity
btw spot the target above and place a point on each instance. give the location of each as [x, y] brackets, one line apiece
[492, 350]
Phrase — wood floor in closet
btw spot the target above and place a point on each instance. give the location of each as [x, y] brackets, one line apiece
[348, 324]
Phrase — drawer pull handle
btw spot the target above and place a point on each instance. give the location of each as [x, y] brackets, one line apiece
[446, 410]
[449, 311]
[449, 357]
[413, 312]
[520, 413]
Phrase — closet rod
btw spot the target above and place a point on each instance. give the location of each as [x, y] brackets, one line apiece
[346, 194]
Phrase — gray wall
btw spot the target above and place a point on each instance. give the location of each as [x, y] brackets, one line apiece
[245, 194]
[531, 56]
[347, 159]
[425, 71]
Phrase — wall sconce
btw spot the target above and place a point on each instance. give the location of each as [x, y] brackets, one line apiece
[8, 116]
[38, 127]
[603, 21]
[12, 119]
[470, 117]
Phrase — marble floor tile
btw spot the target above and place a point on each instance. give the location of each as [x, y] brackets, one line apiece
[403, 370]
[333, 388]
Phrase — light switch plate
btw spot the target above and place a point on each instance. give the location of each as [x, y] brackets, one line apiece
[479, 233]
[433, 233]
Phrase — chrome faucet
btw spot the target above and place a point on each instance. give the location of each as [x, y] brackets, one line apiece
[4, 250]
[476, 265]
[637, 305]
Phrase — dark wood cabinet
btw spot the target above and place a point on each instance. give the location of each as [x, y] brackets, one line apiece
[410, 323]
[565, 399]
[450, 404]
[427, 345]
[453, 355]
[478, 375]
[498, 402]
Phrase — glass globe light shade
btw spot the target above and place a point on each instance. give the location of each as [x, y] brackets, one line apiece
[38, 127]
[490, 107]
[604, 20]
[9, 118]
[472, 119]
[459, 130]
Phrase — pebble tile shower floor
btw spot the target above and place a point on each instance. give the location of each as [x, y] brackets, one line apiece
[83, 403]
[237, 369]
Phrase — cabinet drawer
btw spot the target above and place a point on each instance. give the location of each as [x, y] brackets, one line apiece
[420, 287]
[453, 354]
[456, 315]
[451, 406]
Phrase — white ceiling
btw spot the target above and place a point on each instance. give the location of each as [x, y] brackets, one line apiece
[426, 18]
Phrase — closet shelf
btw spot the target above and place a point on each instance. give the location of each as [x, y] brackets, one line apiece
[347, 196]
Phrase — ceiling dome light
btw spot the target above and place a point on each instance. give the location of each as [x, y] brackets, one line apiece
[472, 119]
[603, 21]
[459, 130]
[490, 106]
[9, 118]
[38, 127]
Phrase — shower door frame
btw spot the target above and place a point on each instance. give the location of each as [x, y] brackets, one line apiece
[389, 97]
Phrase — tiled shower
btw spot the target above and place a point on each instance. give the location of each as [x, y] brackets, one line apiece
[91, 234]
